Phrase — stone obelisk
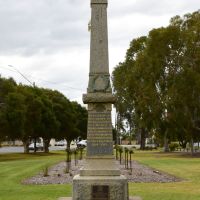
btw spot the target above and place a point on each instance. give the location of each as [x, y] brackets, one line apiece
[100, 177]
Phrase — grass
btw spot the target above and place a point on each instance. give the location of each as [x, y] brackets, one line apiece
[16, 167]
[176, 164]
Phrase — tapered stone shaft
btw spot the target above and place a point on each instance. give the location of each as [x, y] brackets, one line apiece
[99, 95]
[99, 80]
[99, 38]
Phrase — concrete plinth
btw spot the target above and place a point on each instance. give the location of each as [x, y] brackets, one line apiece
[100, 167]
[117, 187]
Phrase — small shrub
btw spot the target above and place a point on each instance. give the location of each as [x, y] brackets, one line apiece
[120, 154]
[173, 146]
[46, 171]
[116, 151]
[81, 153]
[126, 150]
[75, 156]
[66, 170]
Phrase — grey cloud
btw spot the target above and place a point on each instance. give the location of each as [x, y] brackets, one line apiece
[153, 7]
[47, 40]
[29, 26]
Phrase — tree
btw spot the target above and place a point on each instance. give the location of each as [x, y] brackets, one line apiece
[6, 86]
[189, 93]
[160, 79]
[81, 117]
[15, 114]
[3, 124]
[28, 113]
[49, 124]
[63, 110]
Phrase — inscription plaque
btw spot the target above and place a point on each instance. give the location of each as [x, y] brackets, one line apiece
[99, 131]
[100, 192]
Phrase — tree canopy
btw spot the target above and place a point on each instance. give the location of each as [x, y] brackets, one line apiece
[158, 84]
[28, 113]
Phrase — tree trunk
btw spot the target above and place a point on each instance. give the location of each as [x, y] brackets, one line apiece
[130, 133]
[68, 144]
[120, 157]
[46, 144]
[183, 144]
[26, 145]
[130, 162]
[166, 141]
[35, 147]
[192, 147]
[142, 140]
[68, 160]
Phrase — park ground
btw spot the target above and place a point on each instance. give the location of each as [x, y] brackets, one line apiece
[16, 167]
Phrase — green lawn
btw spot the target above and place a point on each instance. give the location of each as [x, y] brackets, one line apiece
[16, 167]
[176, 164]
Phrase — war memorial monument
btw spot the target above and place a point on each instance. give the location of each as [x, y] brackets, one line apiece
[100, 178]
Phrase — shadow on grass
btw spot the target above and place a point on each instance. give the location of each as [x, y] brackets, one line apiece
[22, 156]
[177, 154]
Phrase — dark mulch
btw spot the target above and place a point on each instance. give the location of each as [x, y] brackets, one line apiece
[138, 174]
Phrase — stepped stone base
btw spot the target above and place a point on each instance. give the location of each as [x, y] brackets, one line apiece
[88, 187]
[100, 167]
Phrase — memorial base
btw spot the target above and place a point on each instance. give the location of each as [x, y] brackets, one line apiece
[100, 187]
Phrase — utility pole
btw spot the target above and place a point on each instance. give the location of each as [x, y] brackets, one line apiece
[33, 84]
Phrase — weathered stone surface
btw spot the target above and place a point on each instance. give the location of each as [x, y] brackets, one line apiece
[118, 187]
[100, 167]
[98, 98]
[99, 39]
[100, 170]
[99, 133]
[99, 1]
[99, 83]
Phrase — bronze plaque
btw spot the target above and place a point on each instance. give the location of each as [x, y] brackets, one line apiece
[100, 192]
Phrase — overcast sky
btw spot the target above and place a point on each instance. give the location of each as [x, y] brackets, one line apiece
[48, 40]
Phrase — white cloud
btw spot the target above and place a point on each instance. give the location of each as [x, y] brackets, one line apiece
[47, 40]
